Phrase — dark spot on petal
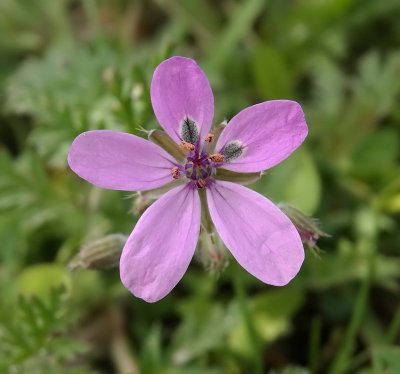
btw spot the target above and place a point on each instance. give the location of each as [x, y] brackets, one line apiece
[189, 131]
[232, 151]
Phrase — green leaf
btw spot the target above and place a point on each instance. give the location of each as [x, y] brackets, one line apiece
[378, 86]
[386, 360]
[271, 313]
[39, 280]
[272, 75]
[209, 333]
[345, 266]
[237, 27]
[291, 370]
[375, 150]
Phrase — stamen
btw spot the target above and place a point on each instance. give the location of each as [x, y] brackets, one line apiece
[201, 183]
[186, 146]
[209, 138]
[210, 147]
[216, 157]
[175, 172]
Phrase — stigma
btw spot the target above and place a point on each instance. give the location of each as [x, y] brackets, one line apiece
[198, 169]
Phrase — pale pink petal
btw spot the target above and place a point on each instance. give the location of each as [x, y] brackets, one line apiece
[119, 161]
[160, 248]
[267, 132]
[179, 90]
[261, 238]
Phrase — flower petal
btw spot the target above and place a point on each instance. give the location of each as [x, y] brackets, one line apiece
[160, 248]
[261, 238]
[120, 161]
[268, 133]
[180, 90]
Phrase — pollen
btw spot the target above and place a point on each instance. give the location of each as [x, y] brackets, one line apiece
[175, 172]
[216, 157]
[209, 138]
[186, 146]
[201, 183]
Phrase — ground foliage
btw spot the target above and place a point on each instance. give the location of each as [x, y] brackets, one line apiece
[67, 66]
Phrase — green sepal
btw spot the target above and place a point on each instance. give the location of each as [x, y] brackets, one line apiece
[162, 139]
[216, 132]
[103, 253]
[233, 176]
[206, 220]
[143, 199]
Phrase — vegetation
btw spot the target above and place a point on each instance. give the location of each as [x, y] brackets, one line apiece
[67, 66]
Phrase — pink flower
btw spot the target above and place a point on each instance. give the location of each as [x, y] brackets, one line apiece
[158, 252]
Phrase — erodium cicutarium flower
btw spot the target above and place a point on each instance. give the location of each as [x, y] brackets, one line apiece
[158, 252]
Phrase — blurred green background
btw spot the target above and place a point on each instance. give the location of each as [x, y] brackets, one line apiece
[67, 66]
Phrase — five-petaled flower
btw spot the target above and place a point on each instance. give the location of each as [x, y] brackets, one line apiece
[158, 252]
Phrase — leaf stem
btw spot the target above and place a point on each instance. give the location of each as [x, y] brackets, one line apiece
[393, 328]
[342, 359]
[246, 314]
[314, 346]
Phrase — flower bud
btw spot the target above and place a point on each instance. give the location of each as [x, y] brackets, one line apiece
[211, 252]
[144, 199]
[306, 226]
[141, 203]
[101, 254]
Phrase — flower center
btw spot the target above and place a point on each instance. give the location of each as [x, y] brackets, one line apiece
[199, 168]
[200, 165]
